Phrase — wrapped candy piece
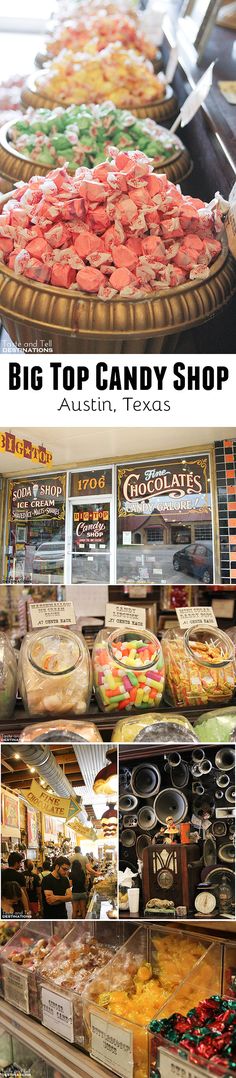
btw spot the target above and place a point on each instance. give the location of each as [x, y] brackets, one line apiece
[119, 74]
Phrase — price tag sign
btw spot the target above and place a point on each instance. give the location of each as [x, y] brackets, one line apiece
[127, 538]
[112, 1046]
[195, 99]
[16, 989]
[46, 615]
[189, 616]
[173, 1066]
[58, 1014]
[119, 616]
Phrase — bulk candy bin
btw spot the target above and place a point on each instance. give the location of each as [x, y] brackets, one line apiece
[55, 672]
[128, 670]
[200, 667]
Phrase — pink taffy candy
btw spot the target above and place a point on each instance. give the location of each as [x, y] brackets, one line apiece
[86, 242]
[57, 235]
[6, 245]
[135, 245]
[120, 278]
[93, 192]
[89, 280]
[62, 276]
[37, 271]
[122, 256]
[38, 247]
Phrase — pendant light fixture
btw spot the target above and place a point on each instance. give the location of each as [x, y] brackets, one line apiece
[106, 781]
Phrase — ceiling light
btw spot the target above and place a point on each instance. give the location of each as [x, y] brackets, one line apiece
[16, 756]
[32, 769]
[106, 781]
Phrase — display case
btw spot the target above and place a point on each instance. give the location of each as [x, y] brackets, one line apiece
[67, 973]
[21, 959]
[128, 670]
[55, 673]
[199, 667]
[159, 971]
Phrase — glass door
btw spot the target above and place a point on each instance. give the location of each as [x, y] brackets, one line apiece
[90, 540]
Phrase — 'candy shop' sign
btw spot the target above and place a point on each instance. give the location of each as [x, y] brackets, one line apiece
[21, 447]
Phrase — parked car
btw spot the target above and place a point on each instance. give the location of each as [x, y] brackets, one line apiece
[197, 560]
[49, 557]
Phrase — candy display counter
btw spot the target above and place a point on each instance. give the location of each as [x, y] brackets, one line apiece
[21, 959]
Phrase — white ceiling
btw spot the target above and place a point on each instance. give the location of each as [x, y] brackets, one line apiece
[71, 446]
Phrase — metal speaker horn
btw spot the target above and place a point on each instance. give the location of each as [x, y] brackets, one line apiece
[196, 770]
[146, 818]
[180, 775]
[198, 755]
[174, 759]
[230, 795]
[141, 843]
[219, 794]
[223, 780]
[198, 788]
[205, 767]
[171, 802]
[225, 759]
[145, 780]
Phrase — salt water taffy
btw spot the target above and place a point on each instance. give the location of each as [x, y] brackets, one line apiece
[128, 670]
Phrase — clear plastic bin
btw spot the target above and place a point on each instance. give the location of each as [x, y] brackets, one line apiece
[29, 946]
[70, 969]
[128, 670]
[8, 678]
[55, 676]
[200, 667]
[159, 971]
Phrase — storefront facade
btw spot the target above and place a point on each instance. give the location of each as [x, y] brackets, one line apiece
[156, 520]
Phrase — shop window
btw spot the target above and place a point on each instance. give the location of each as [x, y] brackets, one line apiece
[35, 545]
[203, 531]
[164, 501]
[155, 535]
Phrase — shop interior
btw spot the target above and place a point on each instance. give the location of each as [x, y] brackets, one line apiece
[59, 803]
[40, 70]
[62, 674]
[165, 993]
[177, 832]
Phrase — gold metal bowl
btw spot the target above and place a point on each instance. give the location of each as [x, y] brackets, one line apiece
[13, 166]
[41, 318]
[162, 111]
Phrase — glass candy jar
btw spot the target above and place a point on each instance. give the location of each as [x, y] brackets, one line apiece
[55, 673]
[200, 667]
[128, 670]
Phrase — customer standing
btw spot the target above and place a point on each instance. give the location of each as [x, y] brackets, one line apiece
[15, 874]
[56, 890]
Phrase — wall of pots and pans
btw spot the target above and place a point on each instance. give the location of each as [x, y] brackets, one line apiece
[181, 785]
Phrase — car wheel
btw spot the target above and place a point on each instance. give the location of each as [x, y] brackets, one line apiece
[206, 577]
[176, 564]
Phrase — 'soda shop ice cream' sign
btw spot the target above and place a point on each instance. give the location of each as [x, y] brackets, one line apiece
[141, 487]
[37, 499]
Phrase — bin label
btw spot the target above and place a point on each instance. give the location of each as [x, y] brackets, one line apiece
[50, 614]
[16, 988]
[58, 1014]
[189, 616]
[119, 616]
[173, 1066]
[112, 1046]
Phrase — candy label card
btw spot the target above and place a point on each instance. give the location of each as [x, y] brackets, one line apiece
[111, 1045]
[124, 617]
[173, 1066]
[16, 988]
[45, 615]
[58, 1014]
[195, 615]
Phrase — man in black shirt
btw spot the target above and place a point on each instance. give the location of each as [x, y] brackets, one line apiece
[55, 888]
[14, 874]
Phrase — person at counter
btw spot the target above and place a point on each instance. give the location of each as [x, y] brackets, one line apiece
[15, 874]
[33, 887]
[56, 890]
